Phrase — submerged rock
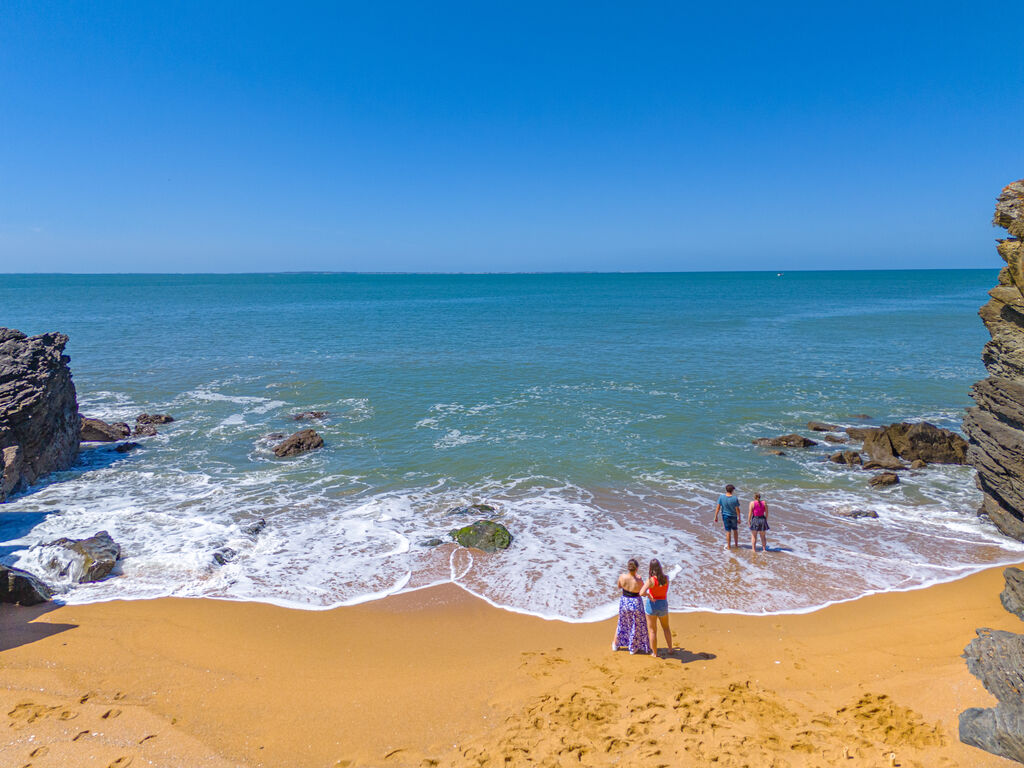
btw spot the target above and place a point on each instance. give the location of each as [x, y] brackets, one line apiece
[472, 509]
[996, 658]
[144, 430]
[301, 442]
[820, 426]
[787, 441]
[430, 542]
[884, 479]
[309, 415]
[153, 418]
[831, 438]
[918, 464]
[125, 447]
[99, 431]
[857, 514]
[21, 587]
[39, 421]
[84, 560]
[485, 535]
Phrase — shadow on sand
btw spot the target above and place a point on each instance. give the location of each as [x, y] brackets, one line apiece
[684, 656]
[17, 625]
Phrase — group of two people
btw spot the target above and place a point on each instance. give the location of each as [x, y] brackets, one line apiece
[644, 604]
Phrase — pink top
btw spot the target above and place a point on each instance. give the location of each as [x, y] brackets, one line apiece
[758, 509]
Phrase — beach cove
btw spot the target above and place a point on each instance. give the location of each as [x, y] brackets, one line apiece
[440, 678]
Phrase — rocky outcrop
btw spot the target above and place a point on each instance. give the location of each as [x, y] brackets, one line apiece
[850, 458]
[485, 535]
[472, 509]
[21, 587]
[996, 658]
[301, 442]
[858, 514]
[884, 479]
[820, 426]
[789, 441]
[83, 560]
[995, 426]
[310, 416]
[99, 431]
[153, 418]
[39, 421]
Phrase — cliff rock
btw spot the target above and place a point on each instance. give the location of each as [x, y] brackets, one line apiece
[98, 431]
[39, 422]
[995, 426]
[996, 658]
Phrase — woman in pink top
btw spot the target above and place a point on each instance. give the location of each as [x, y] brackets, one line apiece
[757, 518]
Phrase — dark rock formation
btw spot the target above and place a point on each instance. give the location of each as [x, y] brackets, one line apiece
[997, 659]
[310, 416]
[820, 426]
[153, 418]
[911, 442]
[144, 430]
[1012, 596]
[84, 560]
[472, 509]
[226, 554]
[39, 421]
[857, 514]
[486, 535]
[846, 457]
[886, 478]
[918, 464]
[21, 587]
[125, 447]
[889, 464]
[831, 438]
[430, 542]
[301, 442]
[98, 431]
[788, 441]
[995, 427]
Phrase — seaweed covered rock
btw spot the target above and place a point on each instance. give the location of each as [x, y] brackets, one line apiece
[301, 442]
[485, 535]
[39, 421]
[21, 587]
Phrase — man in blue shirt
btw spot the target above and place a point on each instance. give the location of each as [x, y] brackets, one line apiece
[729, 507]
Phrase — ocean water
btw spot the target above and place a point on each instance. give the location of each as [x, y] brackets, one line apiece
[600, 414]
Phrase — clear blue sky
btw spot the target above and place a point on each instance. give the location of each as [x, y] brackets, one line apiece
[475, 136]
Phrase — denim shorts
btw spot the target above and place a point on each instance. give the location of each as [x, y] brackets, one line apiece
[731, 522]
[655, 607]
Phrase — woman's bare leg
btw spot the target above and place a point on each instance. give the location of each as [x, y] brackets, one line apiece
[764, 541]
[667, 631]
[652, 633]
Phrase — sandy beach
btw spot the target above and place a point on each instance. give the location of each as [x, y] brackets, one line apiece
[438, 677]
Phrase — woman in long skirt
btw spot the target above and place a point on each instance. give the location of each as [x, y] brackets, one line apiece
[631, 633]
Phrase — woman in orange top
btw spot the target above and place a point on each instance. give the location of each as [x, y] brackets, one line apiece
[655, 594]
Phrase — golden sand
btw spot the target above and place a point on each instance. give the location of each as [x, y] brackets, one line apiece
[439, 678]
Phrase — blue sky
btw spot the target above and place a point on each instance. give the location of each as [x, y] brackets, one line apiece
[180, 137]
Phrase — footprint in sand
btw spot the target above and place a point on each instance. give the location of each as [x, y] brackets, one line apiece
[122, 762]
[39, 752]
[80, 735]
[147, 738]
[110, 714]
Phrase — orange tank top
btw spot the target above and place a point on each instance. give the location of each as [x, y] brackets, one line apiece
[658, 591]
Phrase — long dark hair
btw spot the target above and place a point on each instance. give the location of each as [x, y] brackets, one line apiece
[655, 571]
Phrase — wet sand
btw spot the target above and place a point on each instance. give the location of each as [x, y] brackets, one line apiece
[440, 678]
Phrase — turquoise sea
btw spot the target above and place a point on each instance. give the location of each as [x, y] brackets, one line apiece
[599, 413]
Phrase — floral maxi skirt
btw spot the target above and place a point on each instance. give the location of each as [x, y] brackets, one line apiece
[632, 629]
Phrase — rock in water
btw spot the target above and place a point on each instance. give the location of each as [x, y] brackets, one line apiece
[995, 427]
[857, 514]
[301, 442]
[886, 478]
[1012, 596]
[914, 442]
[860, 433]
[997, 659]
[789, 441]
[831, 438]
[846, 457]
[21, 587]
[153, 418]
[98, 431]
[84, 560]
[38, 408]
[472, 509]
[486, 535]
[144, 430]
[310, 416]
[820, 426]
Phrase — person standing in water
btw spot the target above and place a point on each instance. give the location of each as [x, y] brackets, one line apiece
[757, 519]
[655, 594]
[631, 632]
[729, 507]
